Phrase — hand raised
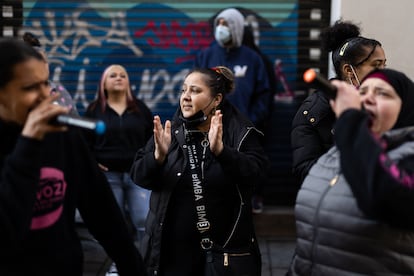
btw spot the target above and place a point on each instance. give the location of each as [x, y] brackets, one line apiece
[162, 139]
[215, 134]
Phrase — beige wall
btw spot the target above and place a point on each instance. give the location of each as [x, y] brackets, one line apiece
[389, 21]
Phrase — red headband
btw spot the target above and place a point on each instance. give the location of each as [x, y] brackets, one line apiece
[378, 75]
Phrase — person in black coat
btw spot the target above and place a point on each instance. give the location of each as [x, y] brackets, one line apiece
[230, 158]
[353, 57]
[46, 173]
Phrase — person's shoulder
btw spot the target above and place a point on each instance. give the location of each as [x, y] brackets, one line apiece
[249, 51]
[92, 107]
[313, 109]
[329, 159]
[316, 98]
[234, 115]
[211, 48]
[140, 102]
[250, 55]
[143, 106]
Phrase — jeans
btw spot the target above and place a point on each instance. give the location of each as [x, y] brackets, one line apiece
[132, 199]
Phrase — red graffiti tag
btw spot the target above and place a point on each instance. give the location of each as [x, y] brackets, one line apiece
[190, 36]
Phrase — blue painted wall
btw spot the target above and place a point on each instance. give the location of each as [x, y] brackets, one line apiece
[155, 42]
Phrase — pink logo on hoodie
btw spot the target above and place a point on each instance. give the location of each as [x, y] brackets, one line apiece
[50, 197]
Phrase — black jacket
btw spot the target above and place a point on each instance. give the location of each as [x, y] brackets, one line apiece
[41, 185]
[241, 161]
[312, 132]
[124, 135]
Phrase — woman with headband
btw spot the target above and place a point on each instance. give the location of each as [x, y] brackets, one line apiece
[201, 168]
[353, 57]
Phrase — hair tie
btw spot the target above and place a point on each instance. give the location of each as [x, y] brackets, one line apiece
[216, 69]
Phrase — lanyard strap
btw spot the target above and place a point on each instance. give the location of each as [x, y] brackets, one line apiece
[197, 177]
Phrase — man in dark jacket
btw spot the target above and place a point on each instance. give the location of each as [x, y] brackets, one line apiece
[251, 93]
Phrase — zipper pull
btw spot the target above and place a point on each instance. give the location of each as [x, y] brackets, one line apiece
[226, 259]
[334, 180]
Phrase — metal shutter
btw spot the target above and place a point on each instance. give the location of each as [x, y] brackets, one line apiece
[156, 42]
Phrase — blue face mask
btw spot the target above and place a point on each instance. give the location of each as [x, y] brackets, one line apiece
[222, 34]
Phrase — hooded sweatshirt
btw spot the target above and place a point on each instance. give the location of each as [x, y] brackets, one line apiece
[235, 21]
[251, 94]
[41, 185]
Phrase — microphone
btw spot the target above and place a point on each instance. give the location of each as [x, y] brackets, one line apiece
[73, 119]
[76, 121]
[312, 77]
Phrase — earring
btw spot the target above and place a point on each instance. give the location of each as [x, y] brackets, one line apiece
[213, 110]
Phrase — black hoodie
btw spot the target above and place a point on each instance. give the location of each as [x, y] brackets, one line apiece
[41, 185]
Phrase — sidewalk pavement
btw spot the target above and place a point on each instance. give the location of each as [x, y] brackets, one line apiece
[276, 255]
[274, 227]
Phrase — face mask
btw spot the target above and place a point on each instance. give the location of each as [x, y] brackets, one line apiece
[194, 120]
[355, 75]
[222, 34]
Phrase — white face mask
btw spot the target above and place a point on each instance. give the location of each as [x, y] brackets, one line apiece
[222, 34]
[356, 76]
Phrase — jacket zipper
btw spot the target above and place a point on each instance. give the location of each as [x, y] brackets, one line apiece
[227, 255]
[249, 129]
